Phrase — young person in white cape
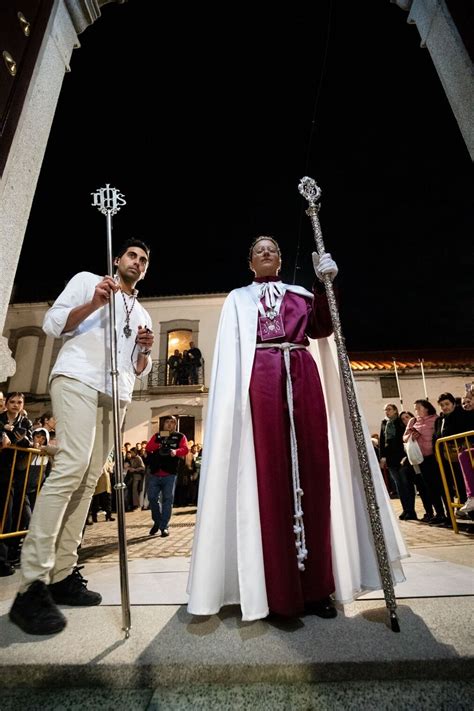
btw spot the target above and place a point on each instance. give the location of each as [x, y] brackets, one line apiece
[282, 525]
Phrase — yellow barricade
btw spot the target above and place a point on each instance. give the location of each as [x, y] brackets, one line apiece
[22, 479]
[447, 452]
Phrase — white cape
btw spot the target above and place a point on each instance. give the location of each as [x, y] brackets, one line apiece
[227, 558]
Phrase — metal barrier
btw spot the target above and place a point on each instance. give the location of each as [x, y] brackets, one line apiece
[22, 477]
[447, 451]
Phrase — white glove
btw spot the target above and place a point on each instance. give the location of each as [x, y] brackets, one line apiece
[324, 265]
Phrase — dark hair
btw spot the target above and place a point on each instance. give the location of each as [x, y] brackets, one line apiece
[45, 416]
[170, 417]
[406, 412]
[9, 396]
[447, 396]
[259, 239]
[427, 405]
[132, 243]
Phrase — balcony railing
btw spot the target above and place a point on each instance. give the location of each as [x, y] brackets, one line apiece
[161, 374]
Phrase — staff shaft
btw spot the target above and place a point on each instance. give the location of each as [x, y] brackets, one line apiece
[371, 500]
[118, 468]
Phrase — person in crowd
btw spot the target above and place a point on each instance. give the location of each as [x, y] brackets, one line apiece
[392, 452]
[48, 422]
[81, 395]
[39, 464]
[263, 535]
[174, 362]
[454, 419]
[411, 479]
[137, 471]
[422, 428]
[195, 465]
[164, 454]
[16, 430]
[144, 503]
[102, 499]
[466, 456]
[184, 366]
[195, 362]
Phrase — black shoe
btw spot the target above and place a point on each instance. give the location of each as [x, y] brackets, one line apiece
[411, 516]
[322, 608]
[153, 530]
[165, 533]
[437, 520]
[94, 518]
[6, 569]
[73, 591]
[426, 518]
[403, 516]
[34, 611]
[109, 517]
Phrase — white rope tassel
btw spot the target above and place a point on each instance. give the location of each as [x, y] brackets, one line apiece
[298, 527]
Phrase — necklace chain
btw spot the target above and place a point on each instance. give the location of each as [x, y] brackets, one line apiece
[126, 329]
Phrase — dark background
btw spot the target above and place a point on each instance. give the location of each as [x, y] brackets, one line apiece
[225, 111]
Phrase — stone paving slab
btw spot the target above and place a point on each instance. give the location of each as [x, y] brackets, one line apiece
[412, 695]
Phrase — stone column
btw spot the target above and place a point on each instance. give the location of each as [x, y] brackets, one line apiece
[18, 183]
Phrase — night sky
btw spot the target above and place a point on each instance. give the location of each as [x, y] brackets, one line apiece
[227, 112]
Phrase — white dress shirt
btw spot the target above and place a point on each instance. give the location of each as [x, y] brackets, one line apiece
[85, 354]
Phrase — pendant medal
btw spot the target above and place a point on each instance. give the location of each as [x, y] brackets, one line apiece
[271, 327]
[127, 331]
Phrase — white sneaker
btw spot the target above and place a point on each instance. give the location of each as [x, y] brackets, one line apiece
[469, 505]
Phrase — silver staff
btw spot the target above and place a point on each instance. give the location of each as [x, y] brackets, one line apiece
[109, 201]
[311, 192]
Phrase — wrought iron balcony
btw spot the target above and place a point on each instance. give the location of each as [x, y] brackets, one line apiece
[162, 375]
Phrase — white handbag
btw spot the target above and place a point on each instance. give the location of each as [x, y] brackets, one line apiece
[412, 448]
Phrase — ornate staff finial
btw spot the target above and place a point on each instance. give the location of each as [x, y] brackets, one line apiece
[108, 200]
[309, 190]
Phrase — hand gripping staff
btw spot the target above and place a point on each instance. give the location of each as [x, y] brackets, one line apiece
[109, 201]
[311, 192]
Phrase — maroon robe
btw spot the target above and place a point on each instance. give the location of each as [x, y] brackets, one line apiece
[287, 588]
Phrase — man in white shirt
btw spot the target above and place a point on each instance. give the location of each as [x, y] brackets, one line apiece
[81, 394]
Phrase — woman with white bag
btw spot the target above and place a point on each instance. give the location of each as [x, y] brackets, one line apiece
[421, 430]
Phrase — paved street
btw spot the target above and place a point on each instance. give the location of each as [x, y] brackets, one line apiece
[100, 540]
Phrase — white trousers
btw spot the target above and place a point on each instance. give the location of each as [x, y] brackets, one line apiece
[85, 437]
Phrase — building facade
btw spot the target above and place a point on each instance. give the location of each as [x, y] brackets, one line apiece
[179, 320]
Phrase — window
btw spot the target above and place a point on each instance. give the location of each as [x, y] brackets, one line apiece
[389, 387]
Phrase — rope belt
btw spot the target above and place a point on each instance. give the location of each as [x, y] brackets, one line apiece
[298, 527]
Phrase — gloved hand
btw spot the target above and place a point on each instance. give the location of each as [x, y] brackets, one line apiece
[324, 265]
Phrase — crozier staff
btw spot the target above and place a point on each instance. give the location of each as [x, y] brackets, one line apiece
[80, 385]
[263, 535]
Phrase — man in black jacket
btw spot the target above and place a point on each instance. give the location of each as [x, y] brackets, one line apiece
[392, 451]
[163, 452]
[453, 420]
[195, 362]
